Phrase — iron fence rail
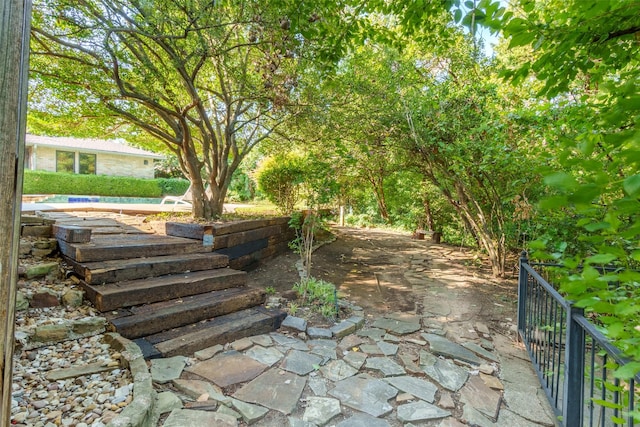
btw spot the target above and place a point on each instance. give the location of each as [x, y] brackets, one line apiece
[574, 361]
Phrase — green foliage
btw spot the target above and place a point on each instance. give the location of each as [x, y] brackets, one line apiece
[270, 290]
[280, 179]
[586, 55]
[172, 186]
[319, 295]
[293, 308]
[168, 167]
[242, 188]
[207, 80]
[41, 182]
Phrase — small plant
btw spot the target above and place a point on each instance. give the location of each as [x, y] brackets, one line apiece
[319, 295]
[270, 290]
[293, 308]
[306, 225]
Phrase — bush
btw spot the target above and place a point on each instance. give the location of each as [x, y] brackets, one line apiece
[319, 295]
[241, 188]
[42, 182]
[280, 179]
[173, 186]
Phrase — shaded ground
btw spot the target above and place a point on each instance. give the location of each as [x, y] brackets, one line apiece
[383, 271]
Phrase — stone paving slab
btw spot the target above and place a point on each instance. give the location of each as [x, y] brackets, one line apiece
[355, 358]
[363, 420]
[321, 410]
[343, 329]
[262, 340]
[300, 362]
[366, 394]
[318, 385]
[167, 402]
[274, 389]
[196, 388]
[477, 349]
[420, 411]
[371, 349]
[352, 341]
[522, 390]
[443, 347]
[444, 372]
[289, 342]
[385, 365]
[267, 356]
[165, 370]
[398, 327]
[388, 349]
[415, 386]
[373, 333]
[208, 352]
[250, 413]
[325, 343]
[295, 422]
[188, 417]
[228, 368]
[78, 371]
[338, 370]
[476, 394]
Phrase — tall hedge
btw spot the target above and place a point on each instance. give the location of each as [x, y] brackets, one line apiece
[41, 182]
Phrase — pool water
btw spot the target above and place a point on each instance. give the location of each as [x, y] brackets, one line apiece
[61, 198]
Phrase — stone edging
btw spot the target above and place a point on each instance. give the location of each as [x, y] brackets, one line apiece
[52, 334]
[140, 412]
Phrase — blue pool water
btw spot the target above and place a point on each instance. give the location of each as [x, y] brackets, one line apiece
[99, 199]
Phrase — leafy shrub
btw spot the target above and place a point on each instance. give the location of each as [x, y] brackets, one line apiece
[280, 178]
[42, 182]
[241, 188]
[173, 186]
[320, 295]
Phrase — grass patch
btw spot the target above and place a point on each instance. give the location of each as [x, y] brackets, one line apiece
[318, 295]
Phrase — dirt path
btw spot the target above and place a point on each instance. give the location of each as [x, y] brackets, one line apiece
[383, 271]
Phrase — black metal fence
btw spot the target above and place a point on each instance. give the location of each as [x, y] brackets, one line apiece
[574, 361]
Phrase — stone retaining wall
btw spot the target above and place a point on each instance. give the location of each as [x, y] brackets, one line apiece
[36, 237]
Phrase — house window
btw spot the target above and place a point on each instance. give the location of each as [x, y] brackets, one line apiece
[65, 161]
[87, 164]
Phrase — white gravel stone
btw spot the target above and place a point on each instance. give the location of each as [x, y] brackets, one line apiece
[76, 401]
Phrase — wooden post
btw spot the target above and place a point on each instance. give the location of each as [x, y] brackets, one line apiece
[15, 18]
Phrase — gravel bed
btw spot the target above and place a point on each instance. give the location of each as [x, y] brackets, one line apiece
[81, 401]
[85, 400]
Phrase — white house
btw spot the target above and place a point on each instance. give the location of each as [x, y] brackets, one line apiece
[88, 156]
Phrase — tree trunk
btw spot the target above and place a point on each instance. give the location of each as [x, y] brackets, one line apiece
[428, 215]
[15, 16]
[486, 238]
[378, 190]
[475, 221]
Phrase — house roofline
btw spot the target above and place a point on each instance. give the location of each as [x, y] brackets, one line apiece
[89, 145]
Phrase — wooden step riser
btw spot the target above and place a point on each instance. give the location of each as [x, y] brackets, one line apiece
[126, 294]
[139, 268]
[148, 320]
[90, 252]
[221, 331]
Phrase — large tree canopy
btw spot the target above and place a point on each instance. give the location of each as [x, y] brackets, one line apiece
[210, 80]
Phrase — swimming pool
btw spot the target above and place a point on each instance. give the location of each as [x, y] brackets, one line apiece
[62, 198]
